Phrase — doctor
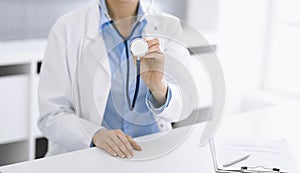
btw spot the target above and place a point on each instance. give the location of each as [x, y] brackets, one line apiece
[83, 96]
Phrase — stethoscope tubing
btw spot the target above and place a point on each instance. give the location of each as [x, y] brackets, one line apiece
[138, 65]
[137, 84]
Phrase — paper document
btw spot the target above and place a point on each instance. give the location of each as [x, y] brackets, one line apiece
[268, 153]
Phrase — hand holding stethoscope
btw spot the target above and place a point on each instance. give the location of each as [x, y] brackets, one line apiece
[150, 60]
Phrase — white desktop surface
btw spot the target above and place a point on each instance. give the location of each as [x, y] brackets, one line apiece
[188, 157]
[280, 122]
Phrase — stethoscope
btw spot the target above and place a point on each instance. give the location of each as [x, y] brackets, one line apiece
[138, 48]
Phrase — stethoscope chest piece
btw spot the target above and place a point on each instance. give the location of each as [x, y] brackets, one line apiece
[139, 47]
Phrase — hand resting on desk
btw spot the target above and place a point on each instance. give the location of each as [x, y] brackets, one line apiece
[116, 143]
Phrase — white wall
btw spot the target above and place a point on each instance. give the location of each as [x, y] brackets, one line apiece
[283, 54]
[242, 30]
[203, 14]
[23, 19]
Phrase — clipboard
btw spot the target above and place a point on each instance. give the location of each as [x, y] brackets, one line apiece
[243, 169]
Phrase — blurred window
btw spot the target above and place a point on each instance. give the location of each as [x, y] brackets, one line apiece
[283, 63]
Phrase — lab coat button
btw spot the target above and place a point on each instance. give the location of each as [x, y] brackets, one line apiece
[161, 125]
[99, 99]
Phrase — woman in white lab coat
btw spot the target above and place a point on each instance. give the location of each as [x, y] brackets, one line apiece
[76, 79]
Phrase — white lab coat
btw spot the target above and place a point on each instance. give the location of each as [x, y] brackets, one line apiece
[75, 79]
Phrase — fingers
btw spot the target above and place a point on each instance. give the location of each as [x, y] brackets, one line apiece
[153, 49]
[119, 146]
[116, 143]
[115, 147]
[126, 143]
[107, 148]
[102, 140]
[153, 46]
[133, 143]
[155, 56]
[153, 42]
[119, 132]
[129, 140]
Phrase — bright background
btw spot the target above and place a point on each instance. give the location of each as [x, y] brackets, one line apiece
[257, 45]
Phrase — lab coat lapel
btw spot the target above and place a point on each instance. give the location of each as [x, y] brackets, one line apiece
[97, 47]
[96, 56]
[94, 79]
[99, 53]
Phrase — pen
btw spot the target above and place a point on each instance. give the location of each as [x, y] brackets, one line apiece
[237, 160]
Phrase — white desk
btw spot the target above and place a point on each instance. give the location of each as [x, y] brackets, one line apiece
[188, 157]
[270, 123]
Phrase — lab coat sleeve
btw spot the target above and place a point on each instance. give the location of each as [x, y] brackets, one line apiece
[152, 103]
[58, 121]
